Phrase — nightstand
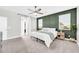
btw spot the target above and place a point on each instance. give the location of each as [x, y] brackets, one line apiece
[61, 35]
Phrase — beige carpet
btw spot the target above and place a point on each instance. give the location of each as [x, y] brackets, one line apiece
[30, 45]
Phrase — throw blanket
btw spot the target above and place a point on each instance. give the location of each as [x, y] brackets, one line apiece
[49, 33]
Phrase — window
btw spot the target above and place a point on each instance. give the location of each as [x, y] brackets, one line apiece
[64, 21]
[40, 23]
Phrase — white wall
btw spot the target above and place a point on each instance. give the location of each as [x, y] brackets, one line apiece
[13, 23]
[78, 25]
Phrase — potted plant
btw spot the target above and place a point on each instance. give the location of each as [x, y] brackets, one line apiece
[73, 29]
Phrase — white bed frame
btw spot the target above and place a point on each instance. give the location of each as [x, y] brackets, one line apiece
[45, 37]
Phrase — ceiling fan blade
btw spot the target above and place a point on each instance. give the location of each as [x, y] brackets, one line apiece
[30, 10]
[39, 12]
[39, 9]
[30, 13]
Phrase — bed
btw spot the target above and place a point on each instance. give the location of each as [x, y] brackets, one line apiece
[46, 34]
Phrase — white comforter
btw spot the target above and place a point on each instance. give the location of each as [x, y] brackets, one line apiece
[43, 36]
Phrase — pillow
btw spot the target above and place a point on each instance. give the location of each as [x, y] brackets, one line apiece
[49, 29]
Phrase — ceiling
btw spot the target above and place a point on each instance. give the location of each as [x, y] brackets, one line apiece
[47, 10]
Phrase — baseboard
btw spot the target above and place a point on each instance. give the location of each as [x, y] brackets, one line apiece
[14, 37]
[78, 44]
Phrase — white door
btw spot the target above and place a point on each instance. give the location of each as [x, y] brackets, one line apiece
[23, 26]
[3, 27]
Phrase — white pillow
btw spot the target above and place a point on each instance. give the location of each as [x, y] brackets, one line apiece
[49, 29]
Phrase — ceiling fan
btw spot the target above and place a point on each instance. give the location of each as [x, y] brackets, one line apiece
[35, 11]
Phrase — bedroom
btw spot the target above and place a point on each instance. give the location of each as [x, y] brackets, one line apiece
[22, 28]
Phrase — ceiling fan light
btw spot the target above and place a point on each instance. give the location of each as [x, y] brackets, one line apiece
[35, 14]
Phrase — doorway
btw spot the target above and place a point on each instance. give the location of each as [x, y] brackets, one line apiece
[24, 26]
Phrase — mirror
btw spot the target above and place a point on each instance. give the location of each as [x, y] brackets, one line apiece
[64, 21]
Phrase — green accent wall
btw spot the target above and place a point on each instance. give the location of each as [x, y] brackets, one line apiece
[52, 20]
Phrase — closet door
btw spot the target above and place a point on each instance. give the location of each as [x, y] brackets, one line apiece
[3, 27]
[23, 26]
